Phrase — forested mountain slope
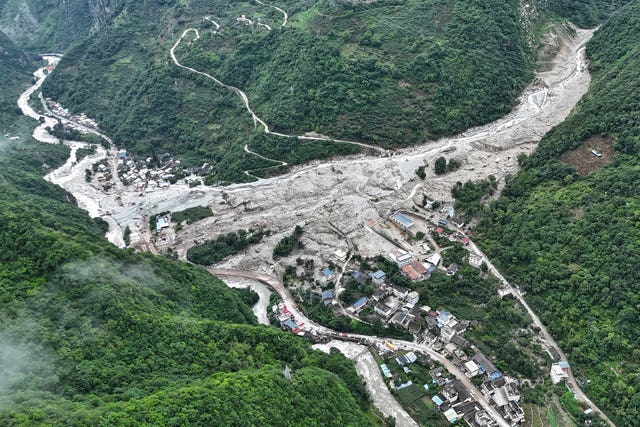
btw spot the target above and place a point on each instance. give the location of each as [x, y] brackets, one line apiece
[567, 229]
[14, 67]
[391, 73]
[93, 335]
[46, 25]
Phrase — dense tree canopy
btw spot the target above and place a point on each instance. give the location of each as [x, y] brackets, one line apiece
[391, 73]
[572, 241]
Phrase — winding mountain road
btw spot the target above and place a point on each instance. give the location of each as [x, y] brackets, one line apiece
[284, 14]
[245, 99]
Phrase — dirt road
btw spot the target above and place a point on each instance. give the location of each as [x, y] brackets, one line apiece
[245, 99]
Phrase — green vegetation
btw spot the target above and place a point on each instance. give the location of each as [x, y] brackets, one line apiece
[571, 241]
[440, 166]
[191, 215]
[470, 194]
[388, 73]
[224, 245]
[94, 335]
[323, 315]
[15, 67]
[286, 245]
[52, 25]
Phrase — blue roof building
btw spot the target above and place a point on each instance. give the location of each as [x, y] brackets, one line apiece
[290, 324]
[437, 400]
[327, 295]
[360, 303]
[444, 317]
[407, 384]
[162, 222]
[378, 276]
[402, 221]
[356, 274]
[385, 370]
[327, 272]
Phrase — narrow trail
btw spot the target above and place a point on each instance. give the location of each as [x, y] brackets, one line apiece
[208, 18]
[246, 149]
[284, 14]
[245, 101]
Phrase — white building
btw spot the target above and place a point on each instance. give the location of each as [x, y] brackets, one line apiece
[475, 260]
[404, 259]
[435, 259]
[557, 373]
[472, 368]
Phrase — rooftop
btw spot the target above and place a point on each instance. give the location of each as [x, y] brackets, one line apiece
[360, 302]
[403, 220]
[327, 295]
[378, 275]
[327, 272]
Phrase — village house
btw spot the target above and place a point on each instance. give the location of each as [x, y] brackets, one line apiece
[340, 255]
[459, 341]
[412, 299]
[327, 275]
[406, 359]
[559, 372]
[486, 367]
[401, 318]
[475, 260]
[359, 304]
[503, 392]
[402, 221]
[383, 310]
[400, 292]
[471, 369]
[415, 271]
[452, 269]
[326, 297]
[403, 259]
[378, 277]
[434, 259]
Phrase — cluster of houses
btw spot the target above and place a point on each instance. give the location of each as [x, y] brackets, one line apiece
[58, 110]
[143, 176]
[456, 404]
[394, 304]
[286, 319]
[454, 400]
[501, 391]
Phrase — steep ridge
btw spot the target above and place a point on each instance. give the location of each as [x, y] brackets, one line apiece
[382, 73]
[566, 228]
[51, 24]
[94, 335]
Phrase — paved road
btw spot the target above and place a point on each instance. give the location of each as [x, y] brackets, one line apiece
[545, 333]
[278, 287]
